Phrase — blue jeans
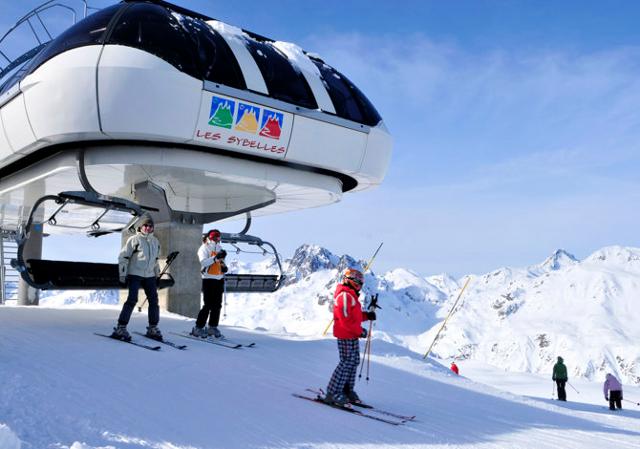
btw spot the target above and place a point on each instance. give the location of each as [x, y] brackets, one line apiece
[151, 290]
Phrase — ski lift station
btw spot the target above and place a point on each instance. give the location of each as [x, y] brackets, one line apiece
[145, 107]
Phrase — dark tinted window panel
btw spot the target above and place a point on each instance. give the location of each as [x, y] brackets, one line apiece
[371, 115]
[88, 31]
[283, 81]
[14, 75]
[215, 59]
[154, 29]
[349, 102]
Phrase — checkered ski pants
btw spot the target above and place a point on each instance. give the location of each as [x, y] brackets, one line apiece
[344, 376]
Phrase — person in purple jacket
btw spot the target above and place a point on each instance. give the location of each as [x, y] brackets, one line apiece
[613, 392]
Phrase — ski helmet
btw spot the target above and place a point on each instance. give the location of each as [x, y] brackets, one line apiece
[214, 235]
[353, 278]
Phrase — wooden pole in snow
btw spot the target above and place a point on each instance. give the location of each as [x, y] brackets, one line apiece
[445, 320]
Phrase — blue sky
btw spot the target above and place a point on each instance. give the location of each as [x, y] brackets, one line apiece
[516, 126]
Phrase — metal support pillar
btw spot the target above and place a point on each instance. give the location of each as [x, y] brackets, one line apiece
[27, 295]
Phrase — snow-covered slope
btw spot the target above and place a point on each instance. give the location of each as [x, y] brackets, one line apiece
[522, 319]
[63, 388]
[518, 319]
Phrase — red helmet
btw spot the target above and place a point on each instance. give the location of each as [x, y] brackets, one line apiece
[214, 234]
[353, 278]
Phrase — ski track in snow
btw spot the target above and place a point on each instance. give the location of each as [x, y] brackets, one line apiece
[63, 388]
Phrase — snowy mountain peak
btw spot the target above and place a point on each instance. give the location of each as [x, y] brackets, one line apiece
[559, 259]
[617, 255]
[308, 259]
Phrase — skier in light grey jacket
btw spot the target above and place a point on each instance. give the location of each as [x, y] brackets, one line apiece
[138, 267]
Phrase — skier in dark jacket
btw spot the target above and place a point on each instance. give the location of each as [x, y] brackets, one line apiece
[561, 378]
[347, 328]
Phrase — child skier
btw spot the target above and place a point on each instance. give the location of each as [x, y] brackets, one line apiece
[612, 392]
[347, 328]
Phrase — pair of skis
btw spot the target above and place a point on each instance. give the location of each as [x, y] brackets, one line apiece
[364, 410]
[225, 342]
[219, 342]
[143, 345]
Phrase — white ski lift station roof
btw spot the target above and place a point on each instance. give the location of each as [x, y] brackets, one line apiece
[220, 120]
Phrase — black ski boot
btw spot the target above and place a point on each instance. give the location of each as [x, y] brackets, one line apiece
[352, 396]
[339, 399]
[154, 332]
[120, 332]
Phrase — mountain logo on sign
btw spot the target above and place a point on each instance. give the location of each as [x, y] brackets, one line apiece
[221, 113]
[272, 122]
[247, 120]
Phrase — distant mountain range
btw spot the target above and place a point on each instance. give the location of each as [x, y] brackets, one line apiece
[519, 319]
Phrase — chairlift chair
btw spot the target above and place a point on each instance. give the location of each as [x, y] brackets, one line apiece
[247, 282]
[65, 275]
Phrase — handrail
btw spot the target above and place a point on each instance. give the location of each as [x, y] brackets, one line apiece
[35, 12]
[242, 237]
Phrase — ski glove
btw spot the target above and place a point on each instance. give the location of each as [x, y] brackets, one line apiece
[371, 316]
[606, 398]
[221, 255]
[123, 279]
[363, 334]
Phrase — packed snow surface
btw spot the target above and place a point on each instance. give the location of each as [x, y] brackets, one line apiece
[63, 387]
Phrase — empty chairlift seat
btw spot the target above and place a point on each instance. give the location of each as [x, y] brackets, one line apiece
[63, 275]
[251, 283]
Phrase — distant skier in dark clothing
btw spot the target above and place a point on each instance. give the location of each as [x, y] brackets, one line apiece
[454, 368]
[348, 317]
[612, 389]
[561, 378]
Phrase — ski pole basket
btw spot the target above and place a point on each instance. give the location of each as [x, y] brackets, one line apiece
[77, 211]
[252, 283]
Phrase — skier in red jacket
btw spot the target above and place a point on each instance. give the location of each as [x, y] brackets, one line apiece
[454, 368]
[347, 328]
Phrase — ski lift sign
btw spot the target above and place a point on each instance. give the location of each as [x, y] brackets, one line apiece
[243, 126]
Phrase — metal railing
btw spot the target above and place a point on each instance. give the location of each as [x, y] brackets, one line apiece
[9, 277]
[34, 21]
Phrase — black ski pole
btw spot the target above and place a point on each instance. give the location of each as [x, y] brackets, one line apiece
[373, 305]
[224, 300]
[627, 400]
[369, 349]
[573, 387]
[170, 258]
[364, 353]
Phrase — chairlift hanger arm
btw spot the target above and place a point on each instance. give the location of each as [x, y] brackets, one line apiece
[65, 275]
